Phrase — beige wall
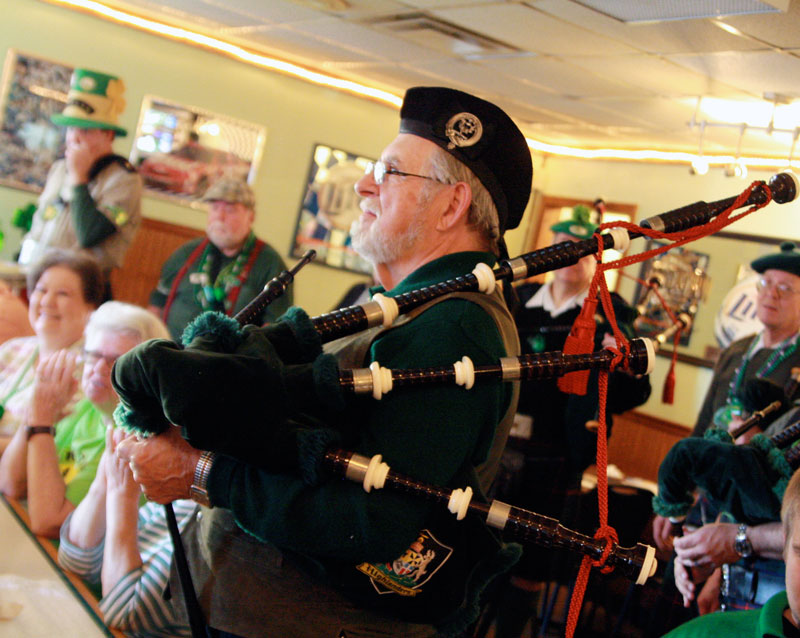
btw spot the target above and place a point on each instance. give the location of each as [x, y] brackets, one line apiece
[297, 115]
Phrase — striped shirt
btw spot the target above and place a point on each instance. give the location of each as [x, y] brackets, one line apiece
[136, 603]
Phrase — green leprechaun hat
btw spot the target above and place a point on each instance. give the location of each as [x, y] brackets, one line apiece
[95, 100]
[579, 225]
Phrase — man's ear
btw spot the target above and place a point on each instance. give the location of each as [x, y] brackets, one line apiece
[457, 208]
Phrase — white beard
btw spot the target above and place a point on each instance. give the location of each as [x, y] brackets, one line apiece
[376, 246]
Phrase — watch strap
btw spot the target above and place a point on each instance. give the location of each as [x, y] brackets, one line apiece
[32, 430]
[198, 490]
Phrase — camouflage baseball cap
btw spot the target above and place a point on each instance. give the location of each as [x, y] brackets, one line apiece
[233, 191]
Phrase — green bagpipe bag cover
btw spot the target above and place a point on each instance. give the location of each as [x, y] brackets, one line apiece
[747, 481]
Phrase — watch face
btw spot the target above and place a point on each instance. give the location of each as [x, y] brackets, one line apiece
[742, 545]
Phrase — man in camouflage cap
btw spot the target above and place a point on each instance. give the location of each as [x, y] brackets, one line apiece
[91, 200]
[222, 271]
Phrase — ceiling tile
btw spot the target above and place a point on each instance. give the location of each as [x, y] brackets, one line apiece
[780, 30]
[654, 74]
[655, 113]
[194, 12]
[687, 36]
[583, 110]
[557, 76]
[757, 71]
[274, 11]
[377, 45]
[302, 47]
[531, 30]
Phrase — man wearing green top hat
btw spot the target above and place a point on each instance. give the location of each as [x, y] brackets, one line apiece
[91, 200]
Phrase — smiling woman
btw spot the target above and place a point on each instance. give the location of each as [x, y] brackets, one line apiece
[65, 289]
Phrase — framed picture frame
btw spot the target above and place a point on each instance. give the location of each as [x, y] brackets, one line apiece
[180, 150]
[33, 89]
[684, 282]
[328, 208]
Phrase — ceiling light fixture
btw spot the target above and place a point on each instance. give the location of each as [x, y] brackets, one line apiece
[794, 143]
[184, 35]
[737, 168]
[699, 165]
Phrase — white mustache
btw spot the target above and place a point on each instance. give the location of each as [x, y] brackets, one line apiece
[368, 206]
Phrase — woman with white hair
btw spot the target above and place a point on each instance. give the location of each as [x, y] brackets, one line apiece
[51, 461]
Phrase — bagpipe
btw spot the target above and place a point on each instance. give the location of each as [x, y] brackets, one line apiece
[162, 383]
[747, 481]
[637, 563]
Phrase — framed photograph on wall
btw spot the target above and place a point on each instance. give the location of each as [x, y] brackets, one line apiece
[180, 150]
[33, 89]
[329, 207]
[683, 280]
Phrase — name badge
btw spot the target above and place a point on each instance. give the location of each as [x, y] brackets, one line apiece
[198, 278]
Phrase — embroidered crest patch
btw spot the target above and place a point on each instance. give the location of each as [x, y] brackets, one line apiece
[463, 129]
[407, 574]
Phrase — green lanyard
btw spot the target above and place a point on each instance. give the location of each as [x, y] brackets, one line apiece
[16, 388]
[217, 295]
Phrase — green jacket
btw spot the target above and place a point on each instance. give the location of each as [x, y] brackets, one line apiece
[725, 369]
[766, 622]
[186, 307]
[428, 433]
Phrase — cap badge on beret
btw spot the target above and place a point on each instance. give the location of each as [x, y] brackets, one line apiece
[463, 129]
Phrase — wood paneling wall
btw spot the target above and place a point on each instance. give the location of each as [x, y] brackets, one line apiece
[639, 443]
[154, 242]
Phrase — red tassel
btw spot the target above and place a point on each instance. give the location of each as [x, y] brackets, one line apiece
[668, 393]
[580, 341]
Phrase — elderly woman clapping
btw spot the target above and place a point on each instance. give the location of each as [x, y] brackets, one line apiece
[64, 288]
[53, 460]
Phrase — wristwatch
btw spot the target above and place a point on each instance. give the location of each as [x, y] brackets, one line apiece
[741, 544]
[31, 430]
[198, 490]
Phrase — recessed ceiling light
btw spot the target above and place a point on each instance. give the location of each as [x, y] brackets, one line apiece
[638, 11]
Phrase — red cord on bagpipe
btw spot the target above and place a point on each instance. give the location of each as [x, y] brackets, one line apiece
[581, 340]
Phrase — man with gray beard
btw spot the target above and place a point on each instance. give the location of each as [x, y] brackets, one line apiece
[277, 556]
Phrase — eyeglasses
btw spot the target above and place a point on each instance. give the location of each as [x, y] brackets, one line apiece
[781, 289]
[90, 358]
[379, 171]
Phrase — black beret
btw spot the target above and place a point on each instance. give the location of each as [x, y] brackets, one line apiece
[481, 136]
[788, 259]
